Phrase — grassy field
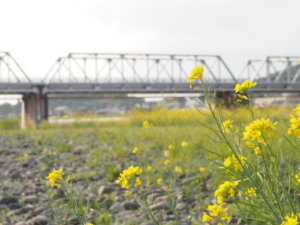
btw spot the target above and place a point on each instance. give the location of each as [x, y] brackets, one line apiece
[181, 154]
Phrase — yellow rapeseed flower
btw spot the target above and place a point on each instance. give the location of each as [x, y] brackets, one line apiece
[259, 130]
[171, 147]
[232, 162]
[244, 87]
[251, 191]
[257, 150]
[127, 174]
[291, 219]
[149, 168]
[159, 181]
[167, 153]
[178, 169]
[146, 124]
[196, 74]
[184, 144]
[295, 123]
[138, 182]
[225, 190]
[135, 150]
[54, 176]
[227, 124]
[207, 218]
[167, 162]
[128, 192]
[202, 169]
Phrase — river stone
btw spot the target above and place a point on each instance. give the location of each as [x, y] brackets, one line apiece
[131, 205]
[9, 200]
[116, 208]
[105, 189]
[31, 199]
[39, 220]
[159, 205]
[21, 223]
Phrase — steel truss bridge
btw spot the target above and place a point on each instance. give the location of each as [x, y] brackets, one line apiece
[90, 74]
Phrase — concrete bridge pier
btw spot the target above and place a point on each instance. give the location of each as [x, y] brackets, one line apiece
[34, 109]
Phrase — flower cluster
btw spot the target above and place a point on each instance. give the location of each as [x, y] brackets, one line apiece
[54, 176]
[244, 87]
[258, 130]
[226, 190]
[291, 219]
[227, 124]
[146, 124]
[232, 162]
[297, 177]
[129, 173]
[215, 211]
[196, 74]
[295, 123]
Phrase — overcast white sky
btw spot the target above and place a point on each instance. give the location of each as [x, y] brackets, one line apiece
[36, 32]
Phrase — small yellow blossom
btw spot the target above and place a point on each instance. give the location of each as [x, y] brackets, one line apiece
[233, 162]
[167, 162]
[259, 130]
[227, 124]
[171, 147]
[257, 150]
[127, 174]
[128, 192]
[138, 182]
[135, 150]
[149, 168]
[202, 169]
[167, 153]
[251, 191]
[159, 181]
[178, 169]
[218, 211]
[297, 176]
[184, 144]
[291, 219]
[196, 74]
[295, 123]
[89, 224]
[225, 190]
[244, 87]
[146, 124]
[207, 218]
[54, 176]
[250, 144]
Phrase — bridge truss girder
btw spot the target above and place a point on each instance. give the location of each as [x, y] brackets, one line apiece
[10, 70]
[272, 69]
[108, 67]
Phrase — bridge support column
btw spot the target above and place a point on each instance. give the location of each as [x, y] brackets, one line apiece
[224, 99]
[34, 110]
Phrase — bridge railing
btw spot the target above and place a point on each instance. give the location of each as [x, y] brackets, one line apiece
[137, 68]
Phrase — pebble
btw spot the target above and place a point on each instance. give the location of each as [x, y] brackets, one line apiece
[128, 205]
[31, 199]
[159, 205]
[104, 189]
[9, 200]
[39, 220]
[116, 208]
